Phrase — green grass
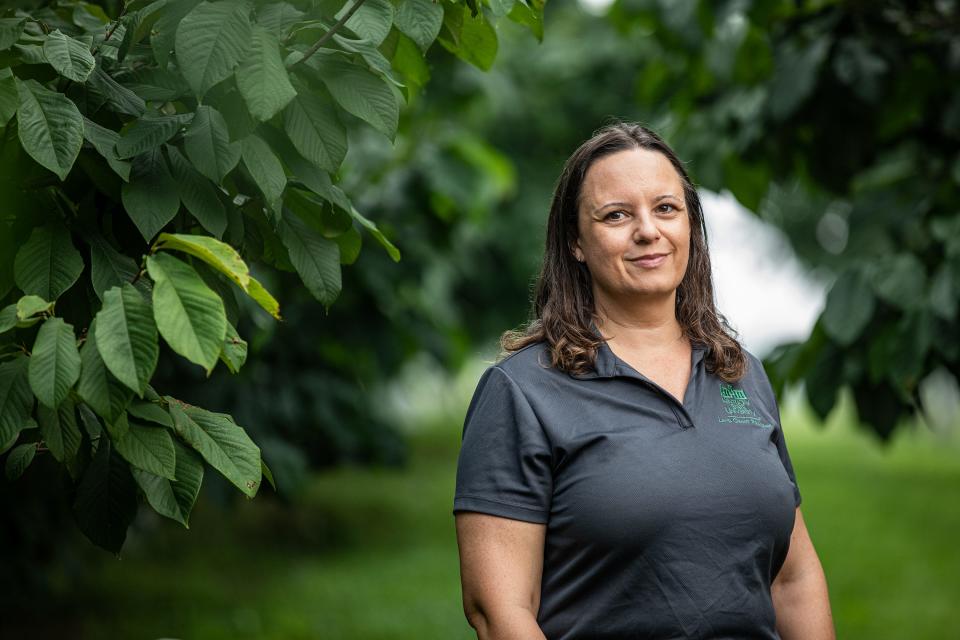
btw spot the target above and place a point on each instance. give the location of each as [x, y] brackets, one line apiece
[371, 553]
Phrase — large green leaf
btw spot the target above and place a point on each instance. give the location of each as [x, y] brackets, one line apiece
[211, 40]
[50, 127]
[105, 142]
[148, 133]
[106, 501]
[262, 77]
[174, 499]
[849, 308]
[189, 315]
[312, 124]
[102, 86]
[207, 143]
[198, 194]
[71, 58]
[10, 30]
[9, 100]
[375, 231]
[60, 431]
[265, 169]
[151, 197]
[126, 337]
[48, 264]
[148, 448]
[359, 92]
[263, 297]
[19, 459]
[371, 21]
[99, 388]
[420, 20]
[900, 280]
[478, 42]
[16, 400]
[54, 362]
[315, 258]
[215, 253]
[221, 442]
[109, 267]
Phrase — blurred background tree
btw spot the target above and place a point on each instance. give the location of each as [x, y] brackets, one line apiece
[837, 122]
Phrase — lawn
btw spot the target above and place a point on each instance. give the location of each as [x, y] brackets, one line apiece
[371, 553]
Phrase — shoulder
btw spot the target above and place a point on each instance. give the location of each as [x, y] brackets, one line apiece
[526, 364]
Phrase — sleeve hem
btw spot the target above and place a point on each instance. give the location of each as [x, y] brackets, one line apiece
[497, 508]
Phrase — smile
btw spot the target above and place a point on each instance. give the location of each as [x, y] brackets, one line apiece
[651, 262]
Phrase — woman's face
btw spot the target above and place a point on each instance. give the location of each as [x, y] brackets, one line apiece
[633, 226]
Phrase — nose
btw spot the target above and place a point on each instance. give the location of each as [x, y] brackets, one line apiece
[645, 228]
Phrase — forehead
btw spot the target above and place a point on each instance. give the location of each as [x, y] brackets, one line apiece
[629, 174]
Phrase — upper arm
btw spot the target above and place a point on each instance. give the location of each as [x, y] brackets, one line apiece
[801, 555]
[501, 562]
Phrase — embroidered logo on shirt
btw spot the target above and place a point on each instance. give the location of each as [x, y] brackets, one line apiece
[737, 404]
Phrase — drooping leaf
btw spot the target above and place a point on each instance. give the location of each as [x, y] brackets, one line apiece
[375, 231]
[102, 86]
[59, 429]
[207, 143]
[210, 42]
[48, 264]
[148, 133]
[263, 297]
[126, 337]
[265, 169]
[106, 501]
[198, 194]
[148, 448]
[16, 400]
[150, 198]
[71, 58]
[420, 20]
[359, 92]
[9, 100]
[174, 499]
[50, 127]
[312, 124]
[99, 388]
[215, 253]
[371, 21]
[316, 259]
[262, 77]
[221, 442]
[10, 30]
[105, 142]
[19, 459]
[189, 315]
[151, 412]
[849, 308]
[108, 267]
[54, 362]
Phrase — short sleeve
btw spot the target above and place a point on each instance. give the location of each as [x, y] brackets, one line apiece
[505, 462]
[779, 439]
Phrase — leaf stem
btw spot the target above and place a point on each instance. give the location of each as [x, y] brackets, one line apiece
[329, 34]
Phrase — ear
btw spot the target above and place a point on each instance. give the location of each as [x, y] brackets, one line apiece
[576, 250]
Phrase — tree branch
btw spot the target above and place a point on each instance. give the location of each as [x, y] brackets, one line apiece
[329, 34]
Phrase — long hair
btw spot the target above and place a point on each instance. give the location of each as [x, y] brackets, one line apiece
[563, 305]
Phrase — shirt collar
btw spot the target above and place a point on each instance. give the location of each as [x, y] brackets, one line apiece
[608, 365]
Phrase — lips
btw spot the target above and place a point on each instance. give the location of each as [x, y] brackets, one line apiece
[650, 260]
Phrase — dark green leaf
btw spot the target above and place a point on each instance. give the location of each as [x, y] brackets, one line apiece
[48, 264]
[151, 197]
[106, 501]
[50, 127]
[54, 362]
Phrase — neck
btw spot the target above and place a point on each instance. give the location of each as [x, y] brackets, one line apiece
[644, 323]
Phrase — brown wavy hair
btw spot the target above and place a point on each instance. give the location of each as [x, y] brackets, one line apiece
[563, 305]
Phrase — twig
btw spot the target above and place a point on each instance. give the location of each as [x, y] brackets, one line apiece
[329, 34]
[113, 28]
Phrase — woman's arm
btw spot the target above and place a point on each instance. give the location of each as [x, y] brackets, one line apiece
[501, 564]
[799, 591]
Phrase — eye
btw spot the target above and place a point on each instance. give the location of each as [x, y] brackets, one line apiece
[669, 206]
[612, 213]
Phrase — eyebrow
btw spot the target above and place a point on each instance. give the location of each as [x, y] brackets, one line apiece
[627, 204]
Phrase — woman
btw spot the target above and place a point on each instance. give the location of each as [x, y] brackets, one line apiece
[623, 472]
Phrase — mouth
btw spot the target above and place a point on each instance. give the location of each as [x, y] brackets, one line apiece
[650, 260]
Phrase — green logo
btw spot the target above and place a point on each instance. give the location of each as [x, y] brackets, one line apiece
[737, 405]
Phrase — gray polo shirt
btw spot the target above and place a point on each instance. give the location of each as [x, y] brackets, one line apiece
[664, 519]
